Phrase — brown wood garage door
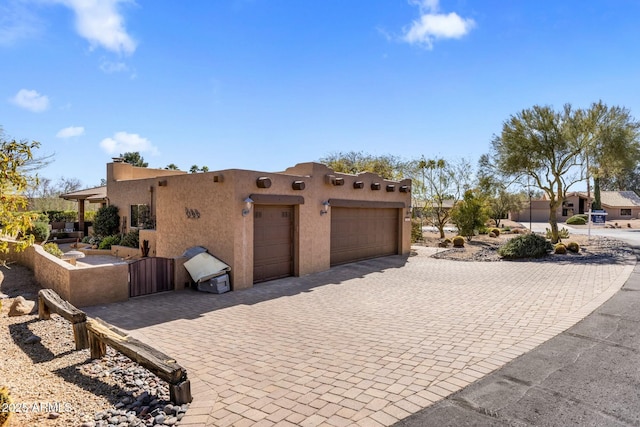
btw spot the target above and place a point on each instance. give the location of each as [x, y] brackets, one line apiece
[272, 242]
[362, 233]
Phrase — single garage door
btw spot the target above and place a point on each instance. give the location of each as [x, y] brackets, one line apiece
[362, 233]
[272, 242]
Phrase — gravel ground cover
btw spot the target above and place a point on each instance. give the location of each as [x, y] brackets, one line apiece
[52, 384]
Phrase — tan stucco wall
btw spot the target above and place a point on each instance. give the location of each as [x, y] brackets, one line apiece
[81, 286]
[205, 209]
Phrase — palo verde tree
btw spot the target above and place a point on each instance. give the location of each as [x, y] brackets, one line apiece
[15, 223]
[546, 146]
[550, 147]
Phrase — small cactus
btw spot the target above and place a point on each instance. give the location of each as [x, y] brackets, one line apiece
[496, 231]
[492, 234]
[458, 242]
[560, 248]
[573, 247]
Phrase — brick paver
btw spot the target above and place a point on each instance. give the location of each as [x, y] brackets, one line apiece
[362, 344]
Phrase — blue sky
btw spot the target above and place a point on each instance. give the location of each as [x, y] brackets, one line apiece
[266, 84]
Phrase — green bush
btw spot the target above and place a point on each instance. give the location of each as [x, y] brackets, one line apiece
[90, 216]
[107, 221]
[573, 247]
[108, 241]
[458, 242]
[40, 231]
[131, 239]
[483, 230]
[577, 220]
[525, 246]
[53, 249]
[560, 248]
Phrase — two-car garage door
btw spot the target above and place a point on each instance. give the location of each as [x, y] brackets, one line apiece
[357, 233]
[362, 233]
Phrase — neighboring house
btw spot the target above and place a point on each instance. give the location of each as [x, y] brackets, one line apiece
[619, 205]
[264, 225]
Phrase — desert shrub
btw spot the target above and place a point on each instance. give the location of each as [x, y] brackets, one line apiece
[506, 229]
[517, 231]
[525, 246]
[53, 249]
[577, 220]
[483, 230]
[573, 247]
[563, 233]
[131, 239]
[107, 221]
[109, 241]
[560, 248]
[490, 223]
[496, 231]
[458, 242]
[469, 214]
[416, 230]
[40, 231]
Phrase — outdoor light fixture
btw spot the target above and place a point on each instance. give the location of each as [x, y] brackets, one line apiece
[325, 207]
[248, 202]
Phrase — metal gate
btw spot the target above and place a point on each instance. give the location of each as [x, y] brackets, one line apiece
[150, 275]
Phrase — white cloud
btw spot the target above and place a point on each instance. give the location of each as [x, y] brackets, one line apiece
[70, 132]
[100, 22]
[123, 142]
[31, 100]
[433, 25]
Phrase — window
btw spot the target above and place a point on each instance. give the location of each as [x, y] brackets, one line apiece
[140, 216]
[625, 212]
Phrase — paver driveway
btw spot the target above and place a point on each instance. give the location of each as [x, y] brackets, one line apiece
[362, 344]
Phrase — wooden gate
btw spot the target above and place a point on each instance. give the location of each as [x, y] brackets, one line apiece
[150, 275]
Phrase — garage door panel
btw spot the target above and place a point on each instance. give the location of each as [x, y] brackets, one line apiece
[272, 242]
[362, 233]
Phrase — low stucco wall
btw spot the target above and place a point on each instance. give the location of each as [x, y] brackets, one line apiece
[81, 286]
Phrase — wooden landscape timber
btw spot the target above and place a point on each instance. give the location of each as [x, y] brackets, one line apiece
[102, 334]
[49, 301]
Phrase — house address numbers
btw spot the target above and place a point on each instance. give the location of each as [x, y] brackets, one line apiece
[192, 213]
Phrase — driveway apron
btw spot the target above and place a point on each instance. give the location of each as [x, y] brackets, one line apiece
[368, 343]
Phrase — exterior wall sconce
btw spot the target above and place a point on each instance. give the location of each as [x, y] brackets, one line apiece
[325, 207]
[248, 203]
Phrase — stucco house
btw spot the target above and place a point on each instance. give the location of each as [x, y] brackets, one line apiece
[619, 205]
[264, 225]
